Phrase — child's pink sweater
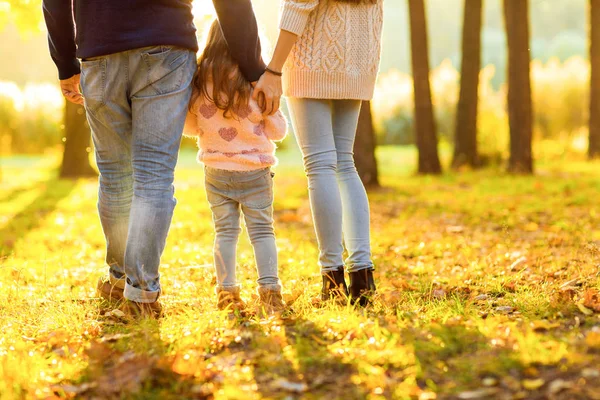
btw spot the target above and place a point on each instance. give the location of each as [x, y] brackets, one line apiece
[241, 142]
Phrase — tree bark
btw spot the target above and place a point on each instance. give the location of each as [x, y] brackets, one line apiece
[426, 135]
[76, 162]
[465, 137]
[364, 147]
[594, 138]
[520, 108]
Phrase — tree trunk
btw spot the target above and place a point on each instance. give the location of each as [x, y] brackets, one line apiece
[520, 109]
[76, 162]
[594, 145]
[429, 162]
[364, 147]
[465, 137]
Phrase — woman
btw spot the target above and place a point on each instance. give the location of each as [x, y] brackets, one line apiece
[328, 55]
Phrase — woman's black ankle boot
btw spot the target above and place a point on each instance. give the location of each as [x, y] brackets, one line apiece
[334, 285]
[362, 286]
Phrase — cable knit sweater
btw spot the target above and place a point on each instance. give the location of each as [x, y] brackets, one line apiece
[338, 50]
[242, 142]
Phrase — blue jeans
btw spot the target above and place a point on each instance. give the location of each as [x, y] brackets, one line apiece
[325, 131]
[231, 193]
[136, 103]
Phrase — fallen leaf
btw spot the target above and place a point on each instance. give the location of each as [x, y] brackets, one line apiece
[517, 263]
[532, 384]
[593, 340]
[489, 381]
[584, 309]
[481, 297]
[295, 387]
[402, 284]
[438, 293]
[558, 386]
[531, 227]
[114, 337]
[118, 314]
[590, 373]
[510, 287]
[591, 299]
[455, 229]
[505, 309]
[478, 394]
[75, 389]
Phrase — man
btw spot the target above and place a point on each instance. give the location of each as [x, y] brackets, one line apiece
[138, 61]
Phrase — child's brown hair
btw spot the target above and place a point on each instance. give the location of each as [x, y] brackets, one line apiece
[230, 89]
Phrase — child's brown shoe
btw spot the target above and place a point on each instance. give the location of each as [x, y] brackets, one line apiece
[271, 301]
[228, 298]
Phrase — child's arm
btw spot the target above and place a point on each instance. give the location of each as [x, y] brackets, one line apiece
[276, 126]
[191, 127]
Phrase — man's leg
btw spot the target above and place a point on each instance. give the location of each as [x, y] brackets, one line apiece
[160, 92]
[109, 116]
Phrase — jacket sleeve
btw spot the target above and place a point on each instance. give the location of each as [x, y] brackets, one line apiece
[239, 27]
[295, 13]
[61, 36]
[276, 126]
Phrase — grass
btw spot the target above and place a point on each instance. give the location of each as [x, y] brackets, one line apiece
[486, 290]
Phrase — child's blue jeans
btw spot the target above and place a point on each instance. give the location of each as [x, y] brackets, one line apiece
[231, 193]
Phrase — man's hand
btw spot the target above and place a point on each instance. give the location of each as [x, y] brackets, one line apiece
[269, 85]
[71, 90]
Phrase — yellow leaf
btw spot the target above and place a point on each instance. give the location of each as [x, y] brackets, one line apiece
[532, 227]
[584, 309]
[533, 384]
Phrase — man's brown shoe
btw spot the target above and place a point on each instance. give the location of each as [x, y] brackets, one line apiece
[135, 310]
[109, 291]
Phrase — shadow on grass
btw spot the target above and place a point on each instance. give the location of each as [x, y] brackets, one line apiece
[301, 364]
[32, 216]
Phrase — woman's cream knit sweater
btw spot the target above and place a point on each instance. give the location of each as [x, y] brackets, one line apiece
[338, 50]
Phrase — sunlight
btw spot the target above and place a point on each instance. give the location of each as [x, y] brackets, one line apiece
[202, 8]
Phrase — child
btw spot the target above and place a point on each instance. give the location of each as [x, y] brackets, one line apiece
[237, 149]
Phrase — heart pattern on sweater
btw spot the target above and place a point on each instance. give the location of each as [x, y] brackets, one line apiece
[266, 159]
[259, 130]
[228, 134]
[208, 110]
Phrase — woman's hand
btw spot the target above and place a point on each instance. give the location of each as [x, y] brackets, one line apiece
[267, 93]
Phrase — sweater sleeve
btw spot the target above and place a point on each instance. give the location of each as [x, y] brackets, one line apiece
[295, 13]
[191, 128]
[276, 126]
[240, 29]
[61, 36]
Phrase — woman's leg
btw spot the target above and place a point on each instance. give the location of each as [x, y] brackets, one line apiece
[355, 204]
[311, 119]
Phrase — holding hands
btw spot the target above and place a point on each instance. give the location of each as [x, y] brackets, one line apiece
[267, 92]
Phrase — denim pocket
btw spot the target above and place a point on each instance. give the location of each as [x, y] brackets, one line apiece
[166, 67]
[258, 193]
[214, 194]
[93, 83]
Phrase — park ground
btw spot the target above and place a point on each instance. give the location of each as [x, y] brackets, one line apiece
[488, 288]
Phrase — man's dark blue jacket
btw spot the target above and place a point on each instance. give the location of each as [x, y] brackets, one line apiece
[90, 28]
